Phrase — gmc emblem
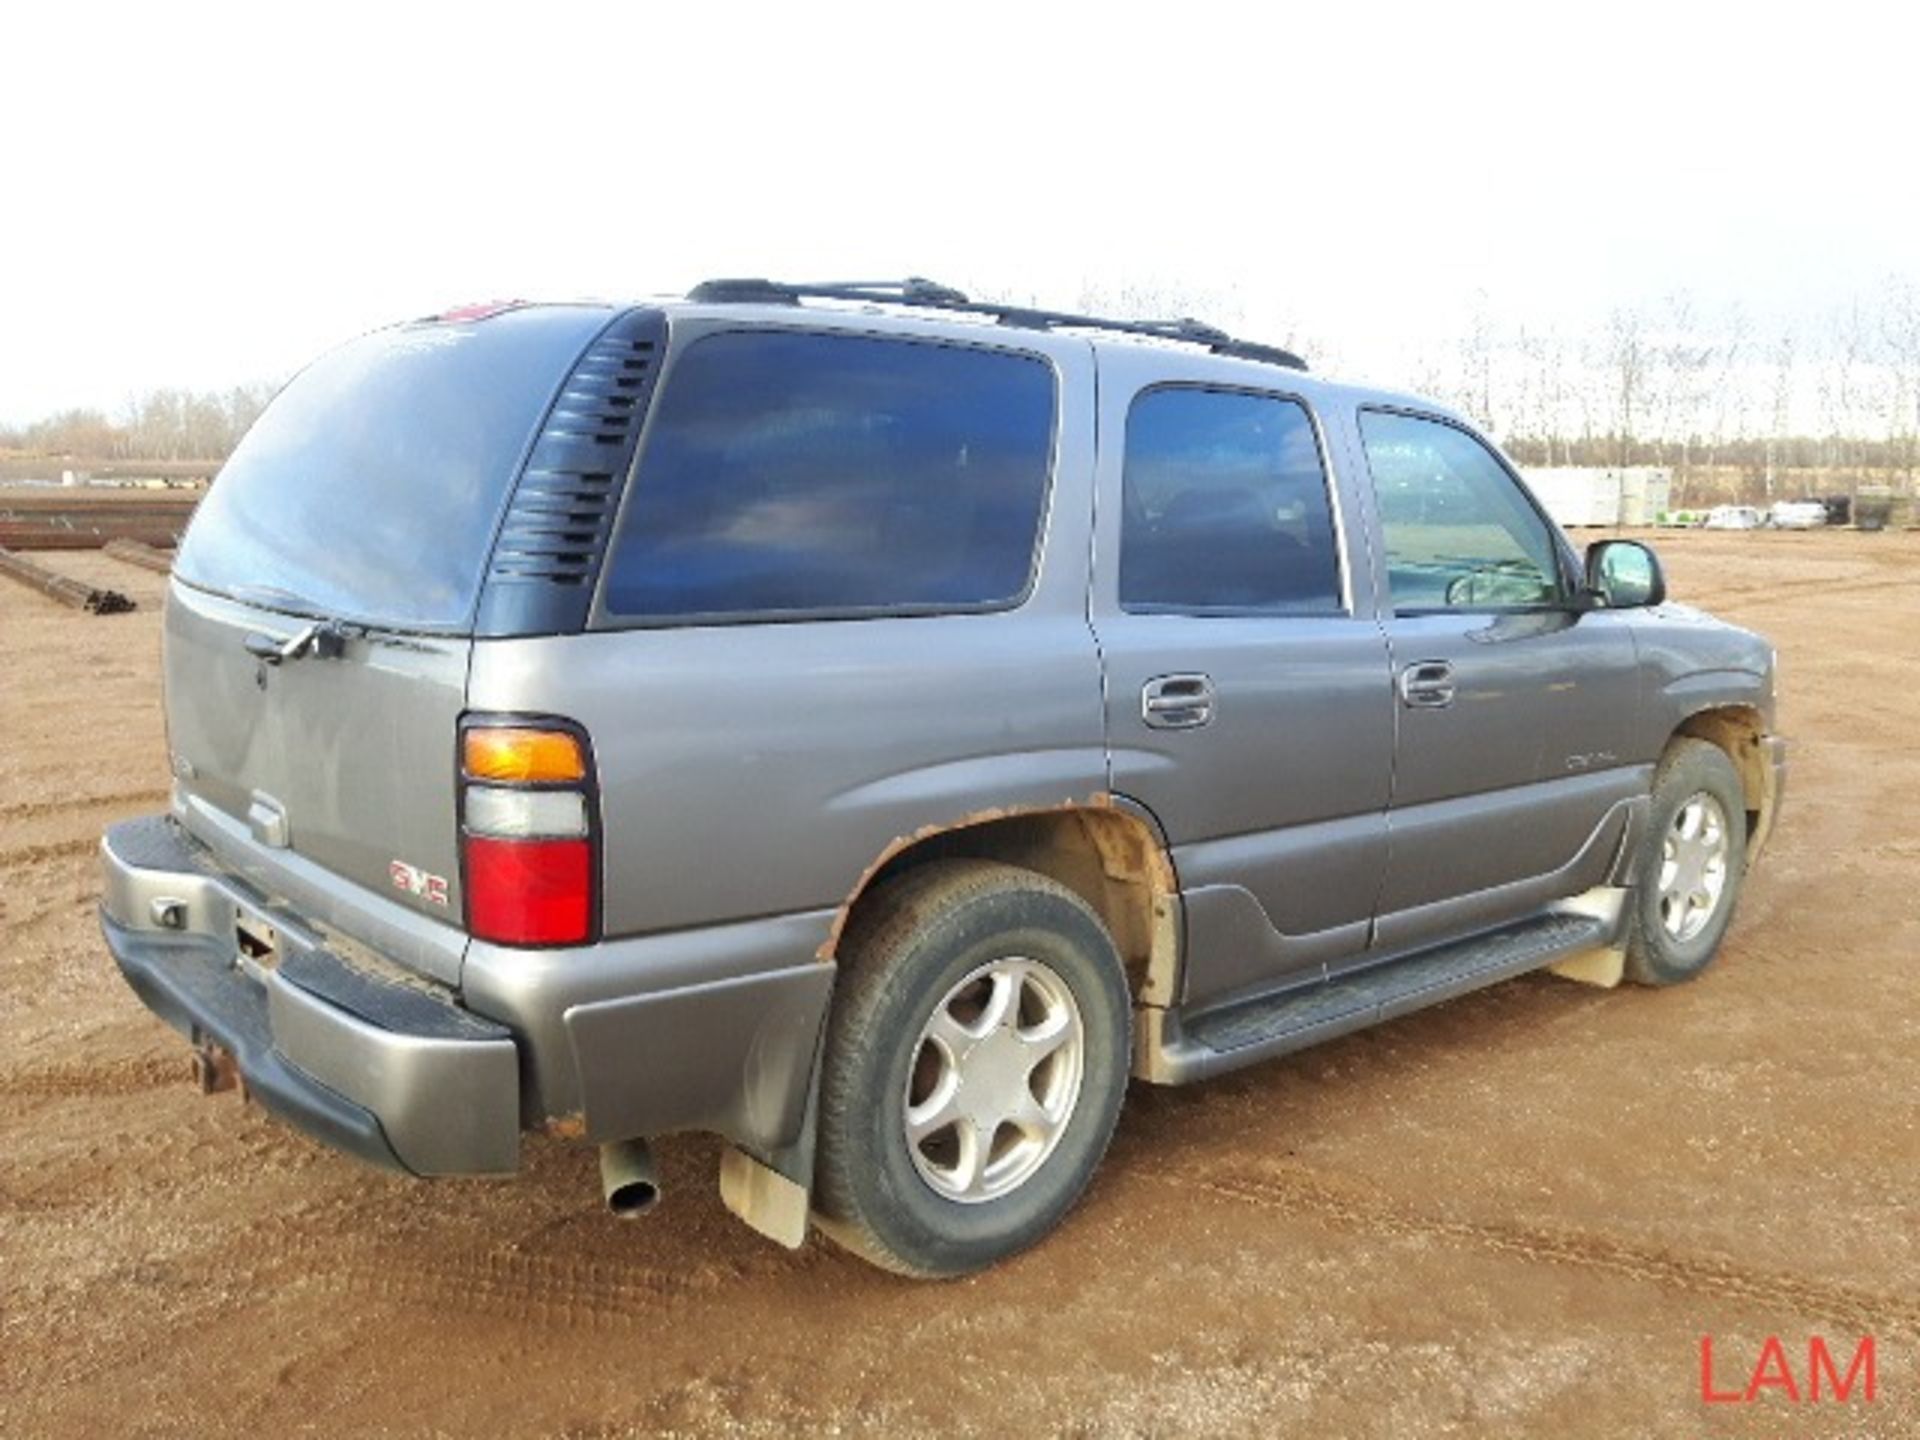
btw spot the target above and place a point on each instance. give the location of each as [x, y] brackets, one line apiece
[415, 881]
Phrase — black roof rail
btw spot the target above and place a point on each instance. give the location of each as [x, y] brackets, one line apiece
[919, 291]
[914, 290]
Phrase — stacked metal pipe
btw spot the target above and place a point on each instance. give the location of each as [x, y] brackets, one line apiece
[63, 588]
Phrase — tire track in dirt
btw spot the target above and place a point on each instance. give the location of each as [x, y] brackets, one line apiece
[26, 855]
[316, 1250]
[93, 1079]
[55, 820]
[507, 1284]
[181, 1287]
[338, 1248]
[1304, 1194]
[1795, 591]
[153, 1166]
[22, 915]
[500, 1279]
[34, 809]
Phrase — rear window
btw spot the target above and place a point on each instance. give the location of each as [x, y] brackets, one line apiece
[797, 474]
[371, 487]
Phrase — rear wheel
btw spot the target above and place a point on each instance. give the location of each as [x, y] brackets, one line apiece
[976, 1060]
[1691, 862]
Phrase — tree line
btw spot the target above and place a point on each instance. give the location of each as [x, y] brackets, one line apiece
[164, 424]
[1725, 400]
[1677, 385]
[1669, 383]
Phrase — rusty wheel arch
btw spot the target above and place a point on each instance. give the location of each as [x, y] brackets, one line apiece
[1740, 731]
[1105, 848]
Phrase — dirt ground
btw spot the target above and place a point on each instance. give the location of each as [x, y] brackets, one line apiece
[1518, 1213]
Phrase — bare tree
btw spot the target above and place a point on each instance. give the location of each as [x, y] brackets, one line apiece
[1782, 366]
[1473, 389]
[1626, 355]
[1728, 411]
[1845, 384]
[1900, 327]
[1687, 384]
[1683, 359]
[158, 425]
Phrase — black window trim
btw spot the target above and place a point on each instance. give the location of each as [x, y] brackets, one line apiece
[1564, 561]
[600, 618]
[1336, 511]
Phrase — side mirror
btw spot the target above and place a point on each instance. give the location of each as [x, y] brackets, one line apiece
[1624, 574]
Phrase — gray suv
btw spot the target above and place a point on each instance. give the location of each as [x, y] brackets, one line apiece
[872, 726]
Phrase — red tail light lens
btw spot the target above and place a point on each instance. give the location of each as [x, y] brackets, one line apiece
[528, 838]
[529, 892]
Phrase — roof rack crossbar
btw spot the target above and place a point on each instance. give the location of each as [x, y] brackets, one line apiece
[919, 291]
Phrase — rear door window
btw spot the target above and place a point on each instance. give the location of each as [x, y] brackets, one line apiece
[798, 474]
[1225, 507]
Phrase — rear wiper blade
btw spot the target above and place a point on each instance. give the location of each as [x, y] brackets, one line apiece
[274, 598]
[324, 640]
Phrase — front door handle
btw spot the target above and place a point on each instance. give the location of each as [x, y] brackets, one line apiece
[1177, 702]
[1427, 685]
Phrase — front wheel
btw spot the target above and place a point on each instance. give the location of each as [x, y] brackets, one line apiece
[976, 1060]
[1690, 866]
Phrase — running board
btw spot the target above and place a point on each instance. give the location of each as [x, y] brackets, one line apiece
[1180, 1050]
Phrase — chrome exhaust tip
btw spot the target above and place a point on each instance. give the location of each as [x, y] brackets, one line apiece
[628, 1179]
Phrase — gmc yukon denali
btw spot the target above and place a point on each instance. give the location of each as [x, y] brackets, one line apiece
[872, 726]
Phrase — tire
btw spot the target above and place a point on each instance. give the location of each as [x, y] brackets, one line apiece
[948, 947]
[1672, 938]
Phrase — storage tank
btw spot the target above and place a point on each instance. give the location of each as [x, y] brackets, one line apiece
[1584, 495]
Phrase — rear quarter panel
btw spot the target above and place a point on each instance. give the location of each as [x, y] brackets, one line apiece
[760, 769]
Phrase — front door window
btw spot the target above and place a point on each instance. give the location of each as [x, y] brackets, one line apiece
[1459, 533]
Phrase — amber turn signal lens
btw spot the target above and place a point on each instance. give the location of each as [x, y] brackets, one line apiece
[519, 754]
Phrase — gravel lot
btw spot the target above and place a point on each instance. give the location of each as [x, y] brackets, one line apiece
[1516, 1213]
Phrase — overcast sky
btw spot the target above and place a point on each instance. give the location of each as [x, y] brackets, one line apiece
[196, 197]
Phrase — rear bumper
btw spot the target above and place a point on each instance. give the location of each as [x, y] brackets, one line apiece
[713, 1030]
[391, 1071]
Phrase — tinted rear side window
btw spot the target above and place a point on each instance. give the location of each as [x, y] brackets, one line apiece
[371, 487]
[1225, 507]
[789, 473]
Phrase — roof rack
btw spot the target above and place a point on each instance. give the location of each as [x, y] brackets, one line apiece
[918, 291]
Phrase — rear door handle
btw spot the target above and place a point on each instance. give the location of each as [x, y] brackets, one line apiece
[1427, 685]
[1177, 702]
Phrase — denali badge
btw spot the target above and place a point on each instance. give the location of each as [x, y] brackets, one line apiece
[431, 888]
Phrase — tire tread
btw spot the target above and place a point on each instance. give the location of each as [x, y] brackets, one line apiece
[879, 937]
[1689, 764]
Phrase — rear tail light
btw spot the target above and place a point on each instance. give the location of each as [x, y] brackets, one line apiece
[528, 843]
[526, 814]
[529, 892]
[522, 752]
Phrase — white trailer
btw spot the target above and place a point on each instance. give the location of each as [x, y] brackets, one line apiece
[1580, 495]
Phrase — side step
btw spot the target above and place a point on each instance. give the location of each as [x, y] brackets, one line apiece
[1279, 1024]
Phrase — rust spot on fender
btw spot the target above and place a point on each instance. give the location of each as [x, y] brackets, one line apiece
[1099, 800]
[1739, 731]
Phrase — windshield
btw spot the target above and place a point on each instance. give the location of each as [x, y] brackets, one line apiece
[371, 487]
